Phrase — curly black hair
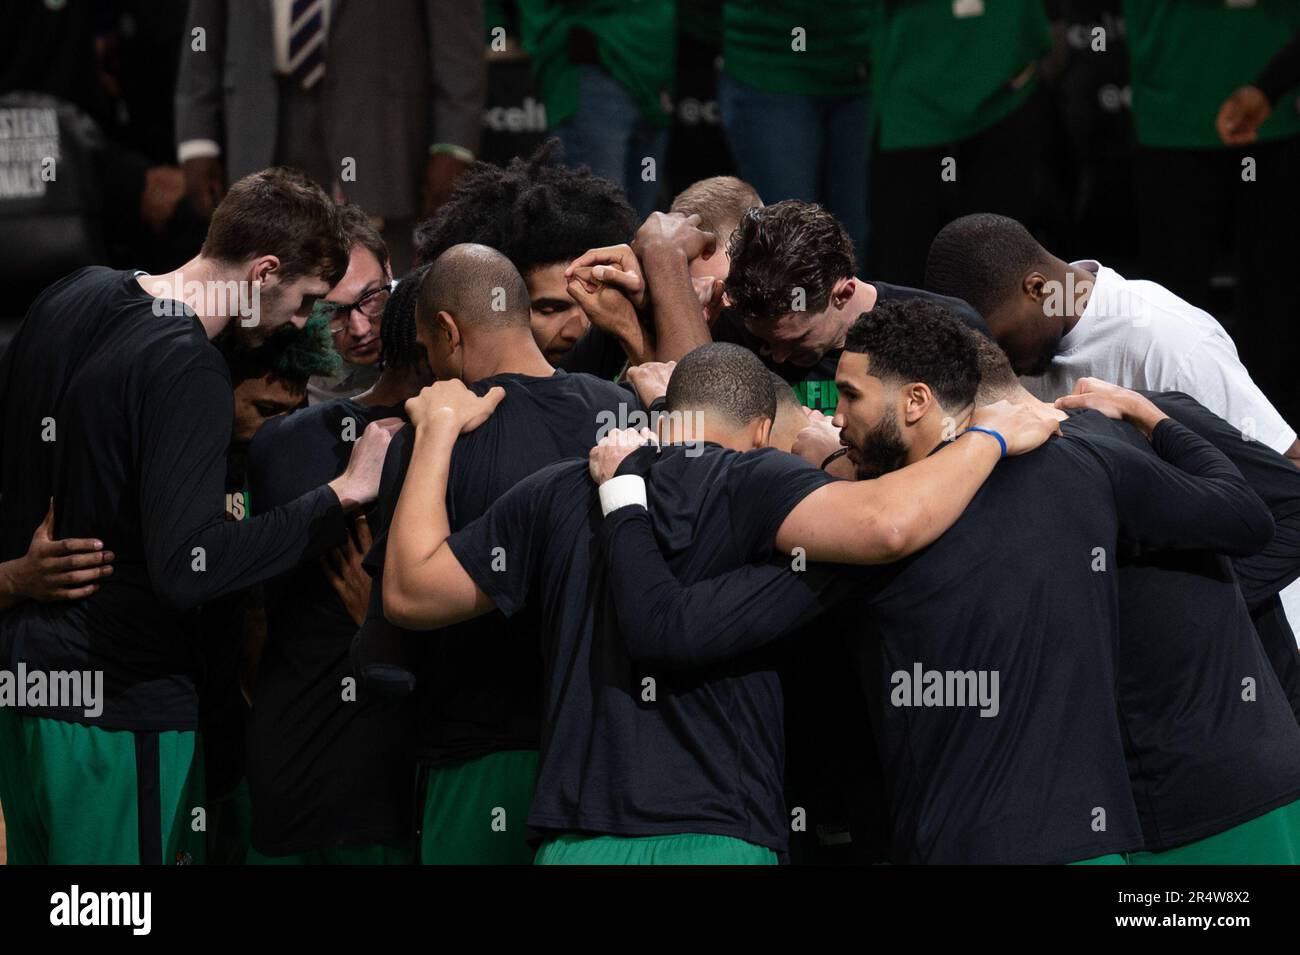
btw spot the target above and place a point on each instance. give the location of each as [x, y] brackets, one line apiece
[289, 354]
[400, 349]
[919, 340]
[535, 211]
[786, 246]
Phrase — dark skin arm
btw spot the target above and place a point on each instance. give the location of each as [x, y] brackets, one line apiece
[654, 273]
[54, 569]
[342, 568]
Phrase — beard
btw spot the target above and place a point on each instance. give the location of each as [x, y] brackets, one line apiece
[269, 301]
[882, 450]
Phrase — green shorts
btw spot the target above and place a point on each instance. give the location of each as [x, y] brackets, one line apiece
[367, 854]
[1270, 839]
[1110, 858]
[83, 795]
[476, 812]
[683, 849]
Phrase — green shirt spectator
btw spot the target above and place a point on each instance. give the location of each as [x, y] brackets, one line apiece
[634, 41]
[1187, 56]
[946, 70]
[829, 58]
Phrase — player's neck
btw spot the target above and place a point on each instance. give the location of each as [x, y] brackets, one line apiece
[862, 300]
[509, 353]
[1022, 397]
[394, 386]
[189, 284]
[937, 427]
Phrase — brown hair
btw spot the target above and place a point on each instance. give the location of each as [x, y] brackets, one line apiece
[719, 201]
[358, 230]
[782, 247]
[279, 212]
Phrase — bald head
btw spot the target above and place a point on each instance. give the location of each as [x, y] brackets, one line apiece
[478, 287]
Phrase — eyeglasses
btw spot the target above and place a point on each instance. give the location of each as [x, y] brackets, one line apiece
[371, 305]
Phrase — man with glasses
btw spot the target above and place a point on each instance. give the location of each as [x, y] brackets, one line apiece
[353, 309]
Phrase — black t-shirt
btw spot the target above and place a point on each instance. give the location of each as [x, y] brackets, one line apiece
[833, 778]
[1023, 586]
[478, 687]
[635, 749]
[1210, 736]
[815, 384]
[223, 711]
[1019, 590]
[595, 353]
[123, 416]
[328, 763]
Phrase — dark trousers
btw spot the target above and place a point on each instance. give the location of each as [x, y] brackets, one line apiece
[998, 170]
[1194, 207]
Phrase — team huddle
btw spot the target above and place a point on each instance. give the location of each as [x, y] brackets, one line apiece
[623, 542]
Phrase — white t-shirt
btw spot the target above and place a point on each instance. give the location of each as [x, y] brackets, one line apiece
[1141, 335]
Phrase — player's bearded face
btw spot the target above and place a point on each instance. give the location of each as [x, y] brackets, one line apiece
[881, 448]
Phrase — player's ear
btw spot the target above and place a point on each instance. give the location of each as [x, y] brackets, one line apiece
[1034, 286]
[843, 291]
[761, 432]
[448, 330]
[263, 267]
[917, 400]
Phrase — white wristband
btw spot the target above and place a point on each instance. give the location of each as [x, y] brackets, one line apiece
[622, 491]
[197, 149]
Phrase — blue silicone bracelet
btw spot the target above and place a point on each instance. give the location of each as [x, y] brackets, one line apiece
[1001, 440]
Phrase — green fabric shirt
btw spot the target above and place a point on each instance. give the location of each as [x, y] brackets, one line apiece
[829, 58]
[636, 43]
[1187, 56]
[946, 70]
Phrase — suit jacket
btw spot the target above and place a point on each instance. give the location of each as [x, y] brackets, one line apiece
[400, 75]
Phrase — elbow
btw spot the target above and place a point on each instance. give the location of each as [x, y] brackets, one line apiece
[1260, 530]
[889, 541]
[660, 646]
[399, 608]
[177, 587]
[1249, 534]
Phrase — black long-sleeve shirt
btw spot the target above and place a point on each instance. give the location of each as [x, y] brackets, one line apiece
[1024, 587]
[1262, 575]
[123, 415]
[1209, 734]
[1282, 72]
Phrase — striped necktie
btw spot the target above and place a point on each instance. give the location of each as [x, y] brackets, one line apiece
[307, 42]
